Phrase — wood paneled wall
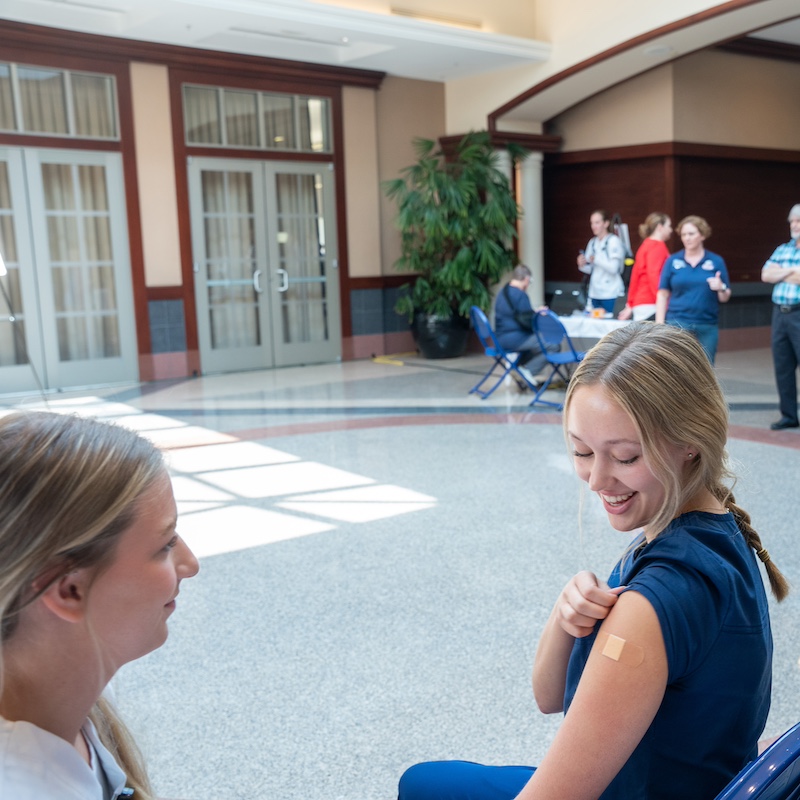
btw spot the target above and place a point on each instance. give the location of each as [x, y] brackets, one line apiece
[744, 194]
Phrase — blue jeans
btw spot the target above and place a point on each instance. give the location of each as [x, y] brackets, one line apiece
[462, 780]
[706, 334]
[606, 305]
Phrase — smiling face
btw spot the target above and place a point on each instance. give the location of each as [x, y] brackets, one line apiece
[131, 599]
[599, 225]
[691, 237]
[608, 455]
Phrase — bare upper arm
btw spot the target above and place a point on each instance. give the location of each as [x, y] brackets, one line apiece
[612, 709]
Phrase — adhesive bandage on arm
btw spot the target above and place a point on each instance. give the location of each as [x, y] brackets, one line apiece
[618, 649]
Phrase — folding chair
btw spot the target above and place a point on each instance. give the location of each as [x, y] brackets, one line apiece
[552, 335]
[508, 362]
[774, 775]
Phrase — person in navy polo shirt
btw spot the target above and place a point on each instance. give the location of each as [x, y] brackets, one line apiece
[783, 271]
[693, 283]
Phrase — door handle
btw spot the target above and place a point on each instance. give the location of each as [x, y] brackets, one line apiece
[284, 276]
[256, 283]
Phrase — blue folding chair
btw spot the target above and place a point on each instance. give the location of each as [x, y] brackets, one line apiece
[559, 350]
[508, 362]
[774, 775]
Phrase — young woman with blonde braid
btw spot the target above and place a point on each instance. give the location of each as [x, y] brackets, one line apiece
[665, 671]
[90, 566]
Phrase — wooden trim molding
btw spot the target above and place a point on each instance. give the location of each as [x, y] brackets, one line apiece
[165, 293]
[535, 142]
[674, 149]
[764, 48]
[74, 44]
[134, 217]
[381, 281]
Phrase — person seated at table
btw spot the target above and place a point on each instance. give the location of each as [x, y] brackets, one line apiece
[646, 272]
[664, 671]
[90, 566]
[603, 260]
[513, 325]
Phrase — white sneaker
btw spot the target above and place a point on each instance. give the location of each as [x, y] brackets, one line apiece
[529, 376]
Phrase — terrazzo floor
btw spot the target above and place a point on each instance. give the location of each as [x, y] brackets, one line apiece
[379, 551]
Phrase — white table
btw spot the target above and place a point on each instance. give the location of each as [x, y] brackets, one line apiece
[581, 326]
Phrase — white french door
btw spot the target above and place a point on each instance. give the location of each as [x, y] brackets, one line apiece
[66, 305]
[265, 263]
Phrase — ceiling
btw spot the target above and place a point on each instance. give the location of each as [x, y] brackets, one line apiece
[306, 31]
[395, 43]
[293, 29]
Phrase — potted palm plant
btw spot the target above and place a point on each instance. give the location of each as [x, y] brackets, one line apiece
[458, 221]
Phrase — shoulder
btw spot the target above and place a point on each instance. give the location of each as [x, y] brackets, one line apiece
[512, 294]
[615, 242]
[786, 252]
[696, 567]
[655, 248]
[37, 764]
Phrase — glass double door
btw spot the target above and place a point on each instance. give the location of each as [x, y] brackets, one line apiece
[66, 302]
[265, 263]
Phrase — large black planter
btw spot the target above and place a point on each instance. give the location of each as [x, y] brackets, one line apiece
[440, 337]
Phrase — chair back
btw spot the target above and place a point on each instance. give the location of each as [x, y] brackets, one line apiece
[551, 331]
[485, 332]
[774, 775]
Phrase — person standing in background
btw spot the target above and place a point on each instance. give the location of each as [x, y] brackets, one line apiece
[694, 281]
[650, 257]
[782, 269]
[603, 260]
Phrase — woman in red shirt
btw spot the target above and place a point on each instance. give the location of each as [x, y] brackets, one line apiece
[650, 258]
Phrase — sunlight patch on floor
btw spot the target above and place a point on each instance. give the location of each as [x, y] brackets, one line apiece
[234, 495]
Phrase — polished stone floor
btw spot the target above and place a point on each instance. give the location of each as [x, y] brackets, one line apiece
[379, 551]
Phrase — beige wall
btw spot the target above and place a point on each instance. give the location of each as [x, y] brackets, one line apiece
[710, 97]
[361, 182]
[158, 202]
[579, 31]
[730, 99]
[634, 112]
[406, 109]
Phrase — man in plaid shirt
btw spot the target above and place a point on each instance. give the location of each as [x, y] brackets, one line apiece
[783, 271]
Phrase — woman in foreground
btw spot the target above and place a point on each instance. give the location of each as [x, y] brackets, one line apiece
[664, 672]
[90, 566]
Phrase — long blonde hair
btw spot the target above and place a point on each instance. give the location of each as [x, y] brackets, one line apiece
[68, 487]
[661, 376]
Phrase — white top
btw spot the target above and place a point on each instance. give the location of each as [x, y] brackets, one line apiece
[38, 765]
[579, 326]
[606, 281]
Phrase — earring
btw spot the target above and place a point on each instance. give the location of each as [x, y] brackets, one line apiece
[690, 455]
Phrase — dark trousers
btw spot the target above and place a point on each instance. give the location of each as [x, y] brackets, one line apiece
[786, 357]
